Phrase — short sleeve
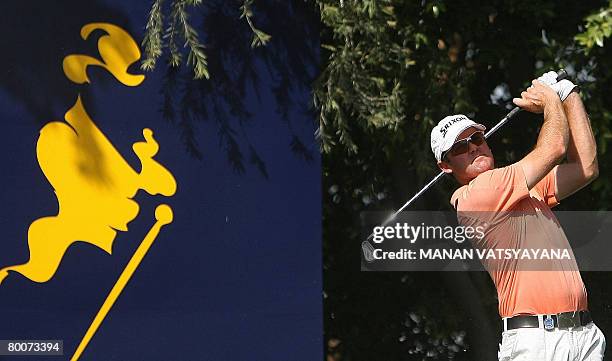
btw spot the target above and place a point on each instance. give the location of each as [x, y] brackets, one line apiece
[546, 188]
[495, 190]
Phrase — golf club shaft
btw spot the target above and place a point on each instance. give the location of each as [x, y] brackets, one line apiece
[561, 74]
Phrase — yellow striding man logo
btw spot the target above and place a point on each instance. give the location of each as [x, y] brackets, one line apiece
[93, 183]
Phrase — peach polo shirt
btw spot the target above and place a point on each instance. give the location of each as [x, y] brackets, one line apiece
[515, 217]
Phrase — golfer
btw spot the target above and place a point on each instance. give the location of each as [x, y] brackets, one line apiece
[545, 312]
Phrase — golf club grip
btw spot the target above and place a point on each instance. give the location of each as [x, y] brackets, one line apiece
[561, 74]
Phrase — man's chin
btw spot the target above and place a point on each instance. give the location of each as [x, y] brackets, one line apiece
[482, 164]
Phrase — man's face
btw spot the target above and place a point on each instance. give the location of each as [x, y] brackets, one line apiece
[466, 166]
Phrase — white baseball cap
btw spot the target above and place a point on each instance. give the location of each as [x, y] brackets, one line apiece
[444, 135]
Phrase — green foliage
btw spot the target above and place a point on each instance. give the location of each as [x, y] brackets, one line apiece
[597, 28]
[152, 42]
[179, 23]
[196, 57]
[157, 38]
[259, 37]
[354, 83]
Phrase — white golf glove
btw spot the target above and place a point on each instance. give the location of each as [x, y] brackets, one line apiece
[563, 87]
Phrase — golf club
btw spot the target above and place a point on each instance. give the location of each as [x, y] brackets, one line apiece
[367, 247]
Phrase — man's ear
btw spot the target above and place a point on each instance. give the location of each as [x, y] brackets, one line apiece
[445, 167]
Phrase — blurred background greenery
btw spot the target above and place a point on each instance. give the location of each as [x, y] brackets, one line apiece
[389, 70]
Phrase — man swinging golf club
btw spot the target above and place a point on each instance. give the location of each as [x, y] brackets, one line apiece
[545, 312]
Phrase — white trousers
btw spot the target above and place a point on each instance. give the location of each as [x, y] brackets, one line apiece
[585, 343]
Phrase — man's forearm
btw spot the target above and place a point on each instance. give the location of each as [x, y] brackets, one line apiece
[554, 134]
[553, 138]
[582, 148]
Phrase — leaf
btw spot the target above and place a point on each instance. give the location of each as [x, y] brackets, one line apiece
[599, 40]
[389, 10]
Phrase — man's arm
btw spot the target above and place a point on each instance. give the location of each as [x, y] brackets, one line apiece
[553, 138]
[581, 167]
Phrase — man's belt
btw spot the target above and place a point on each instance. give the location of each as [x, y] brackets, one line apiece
[549, 322]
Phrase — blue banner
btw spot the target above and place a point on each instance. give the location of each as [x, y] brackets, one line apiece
[129, 235]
